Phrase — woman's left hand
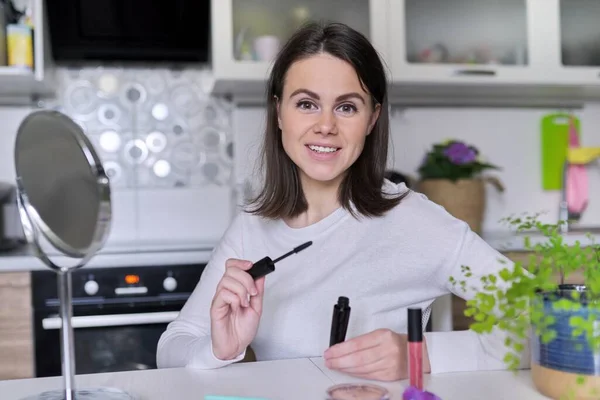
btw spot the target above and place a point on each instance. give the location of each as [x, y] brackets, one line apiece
[378, 355]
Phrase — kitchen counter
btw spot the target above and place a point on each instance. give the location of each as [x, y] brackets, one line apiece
[509, 241]
[115, 255]
[124, 254]
[299, 379]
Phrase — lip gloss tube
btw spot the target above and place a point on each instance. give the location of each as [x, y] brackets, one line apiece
[415, 347]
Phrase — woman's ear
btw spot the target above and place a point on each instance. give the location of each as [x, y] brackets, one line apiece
[374, 118]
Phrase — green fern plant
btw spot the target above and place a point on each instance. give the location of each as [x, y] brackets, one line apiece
[511, 299]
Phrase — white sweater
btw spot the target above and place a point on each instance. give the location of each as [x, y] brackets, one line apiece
[383, 265]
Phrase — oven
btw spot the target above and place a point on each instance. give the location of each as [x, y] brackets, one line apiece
[119, 315]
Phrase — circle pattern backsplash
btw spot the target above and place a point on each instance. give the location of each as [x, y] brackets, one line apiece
[152, 127]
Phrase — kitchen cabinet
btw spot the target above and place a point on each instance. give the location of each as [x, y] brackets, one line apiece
[438, 52]
[16, 327]
[577, 277]
[247, 33]
[461, 322]
[472, 49]
[20, 85]
[576, 40]
[460, 40]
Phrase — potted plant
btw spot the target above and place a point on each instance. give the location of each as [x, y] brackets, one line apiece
[451, 176]
[552, 302]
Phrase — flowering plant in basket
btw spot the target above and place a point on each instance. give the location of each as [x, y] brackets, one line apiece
[452, 160]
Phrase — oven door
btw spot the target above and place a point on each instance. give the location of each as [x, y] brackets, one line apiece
[105, 340]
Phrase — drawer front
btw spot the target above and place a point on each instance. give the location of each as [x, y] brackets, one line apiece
[16, 328]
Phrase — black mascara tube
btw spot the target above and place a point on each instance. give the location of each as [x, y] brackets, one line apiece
[266, 265]
[339, 321]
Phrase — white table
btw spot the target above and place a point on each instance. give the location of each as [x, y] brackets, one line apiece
[300, 379]
[494, 385]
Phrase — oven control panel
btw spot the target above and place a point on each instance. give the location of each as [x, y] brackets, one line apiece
[123, 282]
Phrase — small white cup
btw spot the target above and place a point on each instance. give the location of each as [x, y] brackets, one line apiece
[266, 47]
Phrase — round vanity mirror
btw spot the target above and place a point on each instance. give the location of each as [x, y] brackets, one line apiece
[64, 188]
[63, 196]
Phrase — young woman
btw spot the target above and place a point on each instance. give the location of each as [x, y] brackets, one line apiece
[381, 245]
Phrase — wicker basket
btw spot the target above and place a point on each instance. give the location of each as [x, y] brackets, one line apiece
[464, 199]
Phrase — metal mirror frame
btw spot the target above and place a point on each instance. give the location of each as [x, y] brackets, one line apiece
[32, 225]
[32, 218]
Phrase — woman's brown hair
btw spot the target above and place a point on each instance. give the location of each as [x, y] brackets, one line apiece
[281, 195]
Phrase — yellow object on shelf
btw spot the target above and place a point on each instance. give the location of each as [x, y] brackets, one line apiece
[582, 155]
[20, 46]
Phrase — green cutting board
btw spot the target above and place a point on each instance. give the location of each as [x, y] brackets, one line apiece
[555, 141]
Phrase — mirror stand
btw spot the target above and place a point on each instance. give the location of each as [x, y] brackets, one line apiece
[66, 333]
[69, 392]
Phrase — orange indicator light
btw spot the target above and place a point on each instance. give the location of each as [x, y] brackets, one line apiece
[132, 279]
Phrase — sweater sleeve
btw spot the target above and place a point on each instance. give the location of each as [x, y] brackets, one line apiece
[187, 340]
[467, 350]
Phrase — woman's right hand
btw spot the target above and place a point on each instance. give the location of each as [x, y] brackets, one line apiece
[234, 318]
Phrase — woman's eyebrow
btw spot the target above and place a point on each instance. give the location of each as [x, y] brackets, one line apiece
[351, 95]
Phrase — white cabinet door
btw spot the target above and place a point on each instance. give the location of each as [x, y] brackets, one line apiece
[577, 30]
[463, 41]
[246, 34]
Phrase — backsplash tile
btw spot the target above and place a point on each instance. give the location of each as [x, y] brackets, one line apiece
[166, 144]
[152, 127]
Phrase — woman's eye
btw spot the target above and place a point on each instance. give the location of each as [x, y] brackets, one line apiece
[347, 108]
[305, 105]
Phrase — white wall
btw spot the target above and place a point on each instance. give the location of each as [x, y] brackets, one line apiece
[509, 138]
[10, 118]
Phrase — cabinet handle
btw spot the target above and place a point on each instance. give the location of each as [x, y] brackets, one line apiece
[474, 72]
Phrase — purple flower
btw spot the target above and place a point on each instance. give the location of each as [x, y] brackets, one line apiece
[459, 153]
[412, 393]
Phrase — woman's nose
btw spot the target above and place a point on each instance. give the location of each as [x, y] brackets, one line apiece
[326, 124]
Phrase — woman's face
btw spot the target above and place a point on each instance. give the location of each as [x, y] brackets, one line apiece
[325, 116]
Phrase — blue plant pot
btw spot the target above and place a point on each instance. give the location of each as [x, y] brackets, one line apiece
[557, 366]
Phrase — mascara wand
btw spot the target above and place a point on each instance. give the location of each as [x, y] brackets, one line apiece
[265, 266]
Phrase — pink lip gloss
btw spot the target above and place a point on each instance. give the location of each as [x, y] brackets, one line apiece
[415, 347]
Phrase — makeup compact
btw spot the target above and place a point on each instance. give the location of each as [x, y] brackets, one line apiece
[355, 391]
[216, 397]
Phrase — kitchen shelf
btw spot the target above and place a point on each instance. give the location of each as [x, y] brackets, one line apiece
[20, 85]
[16, 72]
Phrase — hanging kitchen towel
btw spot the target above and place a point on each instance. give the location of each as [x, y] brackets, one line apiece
[577, 189]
